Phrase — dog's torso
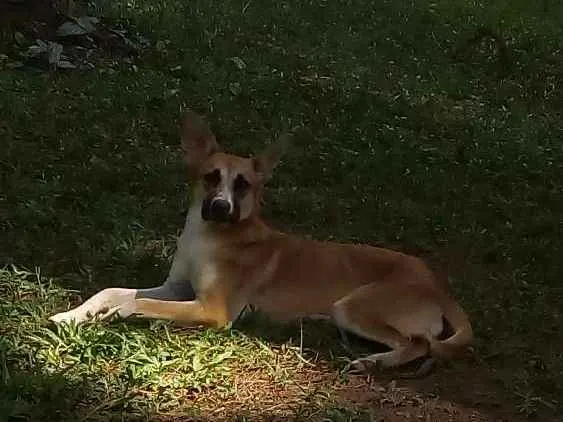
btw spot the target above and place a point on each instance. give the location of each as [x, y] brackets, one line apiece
[284, 275]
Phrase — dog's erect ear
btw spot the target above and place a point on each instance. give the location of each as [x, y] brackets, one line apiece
[198, 141]
[266, 161]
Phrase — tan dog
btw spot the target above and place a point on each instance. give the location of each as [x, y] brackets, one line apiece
[233, 259]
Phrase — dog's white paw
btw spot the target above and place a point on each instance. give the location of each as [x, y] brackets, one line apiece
[78, 316]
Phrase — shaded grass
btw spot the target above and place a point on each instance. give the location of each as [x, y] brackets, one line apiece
[407, 147]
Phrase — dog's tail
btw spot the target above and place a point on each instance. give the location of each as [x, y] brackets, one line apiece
[462, 337]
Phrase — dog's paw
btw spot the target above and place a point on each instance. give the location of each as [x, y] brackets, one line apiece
[356, 367]
[64, 317]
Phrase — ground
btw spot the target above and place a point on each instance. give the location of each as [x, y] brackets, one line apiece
[429, 126]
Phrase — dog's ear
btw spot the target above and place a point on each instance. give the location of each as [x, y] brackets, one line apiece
[266, 161]
[198, 141]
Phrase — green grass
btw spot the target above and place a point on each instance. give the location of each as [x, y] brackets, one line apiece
[100, 371]
[457, 160]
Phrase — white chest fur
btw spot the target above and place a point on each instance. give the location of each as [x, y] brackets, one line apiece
[194, 256]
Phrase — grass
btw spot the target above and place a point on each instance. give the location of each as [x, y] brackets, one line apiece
[100, 372]
[459, 160]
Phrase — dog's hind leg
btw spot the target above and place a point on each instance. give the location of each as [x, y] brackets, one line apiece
[363, 313]
[402, 349]
[116, 301]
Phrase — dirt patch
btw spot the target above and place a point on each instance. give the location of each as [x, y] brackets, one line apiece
[397, 402]
[312, 393]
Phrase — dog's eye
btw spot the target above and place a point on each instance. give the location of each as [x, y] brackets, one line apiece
[241, 185]
[212, 178]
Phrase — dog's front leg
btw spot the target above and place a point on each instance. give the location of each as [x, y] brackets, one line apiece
[196, 312]
[117, 301]
[120, 301]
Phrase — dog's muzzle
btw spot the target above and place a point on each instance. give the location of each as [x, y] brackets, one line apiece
[217, 209]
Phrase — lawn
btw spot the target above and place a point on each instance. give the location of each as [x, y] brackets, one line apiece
[419, 134]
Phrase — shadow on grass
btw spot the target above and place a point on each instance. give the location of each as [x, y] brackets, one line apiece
[29, 396]
[468, 387]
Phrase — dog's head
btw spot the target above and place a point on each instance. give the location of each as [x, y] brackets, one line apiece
[231, 186]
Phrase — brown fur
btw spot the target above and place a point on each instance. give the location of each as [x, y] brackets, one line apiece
[377, 293]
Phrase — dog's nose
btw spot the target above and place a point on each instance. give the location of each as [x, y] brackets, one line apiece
[220, 209]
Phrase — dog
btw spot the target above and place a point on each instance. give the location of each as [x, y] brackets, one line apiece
[234, 259]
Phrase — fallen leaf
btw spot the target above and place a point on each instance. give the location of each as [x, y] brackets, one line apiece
[238, 62]
[65, 64]
[80, 26]
[235, 88]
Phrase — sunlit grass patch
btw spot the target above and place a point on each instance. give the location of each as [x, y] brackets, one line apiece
[134, 367]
